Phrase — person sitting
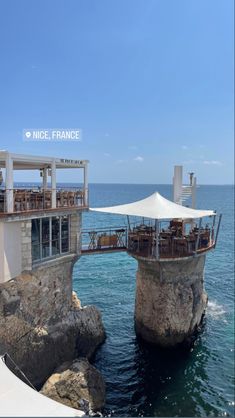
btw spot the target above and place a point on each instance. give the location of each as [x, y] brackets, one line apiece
[178, 232]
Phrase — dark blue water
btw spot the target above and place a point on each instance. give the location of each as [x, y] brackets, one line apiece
[142, 380]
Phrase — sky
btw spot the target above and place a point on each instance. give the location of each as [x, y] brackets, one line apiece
[149, 83]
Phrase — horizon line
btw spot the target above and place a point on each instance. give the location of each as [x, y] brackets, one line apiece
[129, 184]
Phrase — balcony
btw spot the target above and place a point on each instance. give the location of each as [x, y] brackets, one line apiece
[36, 199]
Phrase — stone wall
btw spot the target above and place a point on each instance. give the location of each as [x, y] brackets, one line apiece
[75, 233]
[26, 245]
[170, 299]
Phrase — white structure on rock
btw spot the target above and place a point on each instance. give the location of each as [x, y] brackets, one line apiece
[170, 244]
[42, 323]
[41, 223]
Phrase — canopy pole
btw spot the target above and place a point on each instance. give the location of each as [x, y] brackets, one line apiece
[157, 233]
[128, 220]
[198, 237]
[213, 229]
[218, 227]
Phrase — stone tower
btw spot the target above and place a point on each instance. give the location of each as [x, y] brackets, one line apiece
[170, 295]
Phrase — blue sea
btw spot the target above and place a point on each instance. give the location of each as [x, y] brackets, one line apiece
[142, 380]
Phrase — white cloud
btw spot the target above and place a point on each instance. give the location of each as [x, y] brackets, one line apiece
[132, 147]
[106, 154]
[121, 161]
[184, 147]
[139, 159]
[106, 134]
[212, 162]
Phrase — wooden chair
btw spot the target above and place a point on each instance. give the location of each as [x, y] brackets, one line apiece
[181, 246]
[47, 199]
[64, 198]
[191, 241]
[163, 246]
[79, 198]
[19, 201]
[71, 199]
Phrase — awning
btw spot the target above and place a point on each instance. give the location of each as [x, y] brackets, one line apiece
[156, 207]
[19, 400]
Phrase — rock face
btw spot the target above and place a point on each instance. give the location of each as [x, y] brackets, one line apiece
[42, 323]
[170, 300]
[78, 385]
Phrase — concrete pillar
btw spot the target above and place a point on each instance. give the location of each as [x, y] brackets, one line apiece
[170, 299]
[9, 184]
[86, 185]
[53, 184]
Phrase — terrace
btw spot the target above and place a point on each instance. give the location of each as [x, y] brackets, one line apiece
[168, 230]
[47, 196]
[173, 241]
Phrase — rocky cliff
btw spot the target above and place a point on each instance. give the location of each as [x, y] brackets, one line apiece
[77, 384]
[42, 323]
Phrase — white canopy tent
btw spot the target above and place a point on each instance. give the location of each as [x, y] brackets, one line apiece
[156, 207]
[19, 400]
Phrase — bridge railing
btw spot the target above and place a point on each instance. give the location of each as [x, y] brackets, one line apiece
[104, 239]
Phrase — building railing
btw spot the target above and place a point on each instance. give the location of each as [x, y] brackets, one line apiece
[29, 199]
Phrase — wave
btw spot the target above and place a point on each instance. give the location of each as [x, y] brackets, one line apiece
[215, 310]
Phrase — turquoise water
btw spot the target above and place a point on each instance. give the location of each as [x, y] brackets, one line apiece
[142, 380]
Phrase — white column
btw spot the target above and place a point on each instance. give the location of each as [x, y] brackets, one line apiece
[177, 184]
[9, 184]
[86, 184]
[194, 185]
[53, 184]
[44, 178]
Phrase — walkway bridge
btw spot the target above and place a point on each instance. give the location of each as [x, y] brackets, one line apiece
[104, 240]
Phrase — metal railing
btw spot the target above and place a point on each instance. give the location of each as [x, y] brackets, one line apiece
[142, 241]
[36, 198]
[104, 239]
